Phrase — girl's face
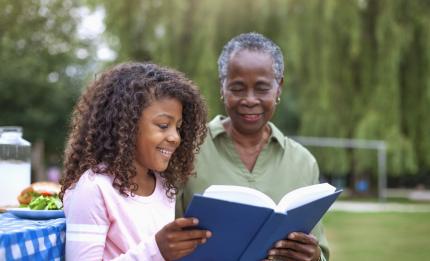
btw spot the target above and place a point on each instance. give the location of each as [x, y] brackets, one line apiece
[158, 135]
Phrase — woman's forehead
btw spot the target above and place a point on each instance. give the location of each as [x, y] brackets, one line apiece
[254, 62]
[246, 55]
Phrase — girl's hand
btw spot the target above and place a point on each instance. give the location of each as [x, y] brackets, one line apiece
[174, 242]
[298, 247]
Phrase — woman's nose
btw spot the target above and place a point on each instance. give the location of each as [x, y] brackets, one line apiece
[250, 99]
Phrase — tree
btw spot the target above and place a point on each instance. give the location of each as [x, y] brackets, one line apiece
[354, 69]
[361, 66]
[41, 74]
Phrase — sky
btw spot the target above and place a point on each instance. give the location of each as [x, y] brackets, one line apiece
[92, 27]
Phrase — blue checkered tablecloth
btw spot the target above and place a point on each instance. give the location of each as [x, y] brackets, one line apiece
[26, 239]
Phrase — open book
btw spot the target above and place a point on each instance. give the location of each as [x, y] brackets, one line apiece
[245, 223]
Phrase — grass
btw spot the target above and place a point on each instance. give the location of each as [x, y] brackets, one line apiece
[378, 236]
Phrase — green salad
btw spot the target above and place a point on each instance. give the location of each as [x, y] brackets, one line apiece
[44, 202]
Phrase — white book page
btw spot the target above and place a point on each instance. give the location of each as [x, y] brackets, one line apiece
[239, 194]
[304, 195]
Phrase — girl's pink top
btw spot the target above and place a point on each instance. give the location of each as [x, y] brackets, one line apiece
[103, 224]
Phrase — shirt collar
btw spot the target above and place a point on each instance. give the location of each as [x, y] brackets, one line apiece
[216, 128]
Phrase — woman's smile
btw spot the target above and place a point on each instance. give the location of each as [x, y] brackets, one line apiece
[250, 91]
[252, 117]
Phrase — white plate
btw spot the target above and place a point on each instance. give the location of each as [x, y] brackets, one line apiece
[36, 214]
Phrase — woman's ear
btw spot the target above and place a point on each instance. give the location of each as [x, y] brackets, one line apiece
[281, 82]
[221, 92]
[280, 85]
[279, 90]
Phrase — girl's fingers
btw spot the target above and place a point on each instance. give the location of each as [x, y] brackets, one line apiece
[189, 235]
[180, 223]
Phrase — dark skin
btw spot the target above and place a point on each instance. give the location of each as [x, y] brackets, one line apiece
[176, 239]
[250, 92]
[157, 139]
[298, 246]
[174, 242]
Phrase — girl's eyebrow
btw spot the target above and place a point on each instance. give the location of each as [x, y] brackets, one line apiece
[163, 114]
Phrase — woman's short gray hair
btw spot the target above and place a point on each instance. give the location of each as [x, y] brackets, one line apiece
[254, 42]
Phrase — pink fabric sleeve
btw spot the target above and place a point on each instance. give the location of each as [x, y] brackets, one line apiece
[88, 224]
[146, 250]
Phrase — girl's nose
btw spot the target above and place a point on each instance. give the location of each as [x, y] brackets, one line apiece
[174, 136]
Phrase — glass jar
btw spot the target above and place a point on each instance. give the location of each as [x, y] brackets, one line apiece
[15, 164]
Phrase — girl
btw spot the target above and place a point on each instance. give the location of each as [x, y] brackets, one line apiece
[133, 137]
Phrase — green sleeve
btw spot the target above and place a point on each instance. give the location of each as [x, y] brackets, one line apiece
[179, 206]
[318, 232]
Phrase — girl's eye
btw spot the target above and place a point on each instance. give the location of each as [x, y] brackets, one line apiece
[163, 126]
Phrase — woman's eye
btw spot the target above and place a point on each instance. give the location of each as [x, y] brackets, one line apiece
[236, 88]
[262, 91]
[263, 88]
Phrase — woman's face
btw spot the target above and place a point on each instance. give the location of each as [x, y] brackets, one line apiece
[158, 135]
[250, 91]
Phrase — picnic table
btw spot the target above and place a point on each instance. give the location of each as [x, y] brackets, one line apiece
[29, 239]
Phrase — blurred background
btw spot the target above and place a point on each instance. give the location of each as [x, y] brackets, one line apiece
[356, 70]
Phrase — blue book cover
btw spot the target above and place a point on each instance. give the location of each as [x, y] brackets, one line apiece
[233, 225]
[300, 219]
[246, 232]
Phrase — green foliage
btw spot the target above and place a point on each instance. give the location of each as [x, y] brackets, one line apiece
[352, 60]
[354, 68]
[40, 71]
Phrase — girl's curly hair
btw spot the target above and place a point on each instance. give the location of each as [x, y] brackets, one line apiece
[104, 125]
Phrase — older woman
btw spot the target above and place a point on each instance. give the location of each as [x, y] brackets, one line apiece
[246, 149]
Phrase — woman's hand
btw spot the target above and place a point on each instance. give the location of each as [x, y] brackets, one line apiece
[174, 242]
[298, 247]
